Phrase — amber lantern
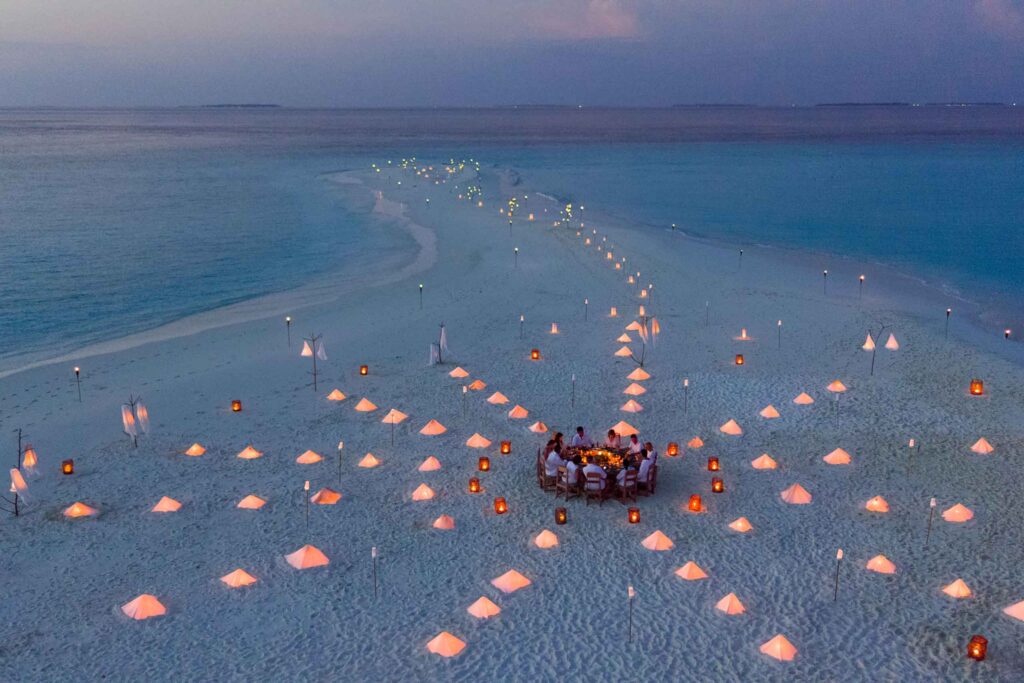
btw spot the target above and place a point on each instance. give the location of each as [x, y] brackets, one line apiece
[364, 370]
[485, 464]
[713, 465]
[68, 467]
[634, 515]
[506, 447]
[535, 354]
[716, 485]
[977, 387]
[739, 359]
[500, 506]
[474, 485]
[977, 647]
[236, 406]
[672, 450]
[694, 505]
[561, 516]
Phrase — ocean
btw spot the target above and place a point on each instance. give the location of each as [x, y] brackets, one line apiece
[117, 221]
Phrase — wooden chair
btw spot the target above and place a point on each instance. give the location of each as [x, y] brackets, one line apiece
[595, 488]
[562, 484]
[646, 488]
[627, 491]
[546, 483]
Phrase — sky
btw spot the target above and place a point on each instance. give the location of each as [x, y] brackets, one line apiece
[367, 53]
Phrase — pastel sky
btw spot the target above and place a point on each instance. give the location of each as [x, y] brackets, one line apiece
[494, 52]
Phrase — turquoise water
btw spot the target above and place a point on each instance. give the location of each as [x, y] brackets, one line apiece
[118, 221]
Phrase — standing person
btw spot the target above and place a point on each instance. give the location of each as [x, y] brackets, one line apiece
[580, 439]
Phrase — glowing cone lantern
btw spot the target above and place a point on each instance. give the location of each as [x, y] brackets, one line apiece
[238, 579]
[309, 458]
[458, 373]
[166, 504]
[742, 525]
[546, 539]
[638, 375]
[623, 352]
[764, 462]
[631, 406]
[869, 344]
[624, 338]
[538, 428]
[497, 398]
[477, 385]
[307, 557]
[445, 645]
[444, 522]
[483, 608]
[250, 453]
[796, 495]
[769, 412]
[76, 510]
[634, 389]
[881, 564]
[478, 441]
[430, 464]
[625, 429]
[369, 461]
[837, 457]
[325, 496]
[803, 400]
[518, 413]
[836, 387]
[730, 604]
[1015, 610]
[422, 492]
[691, 572]
[365, 406]
[195, 450]
[958, 514]
[336, 395]
[251, 502]
[510, 582]
[433, 428]
[779, 648]
[877, 504]
[144, 607]
[731, 428]
[982, 447]
[891, 343]
[958, 589]
[695, 443]
[658, 542]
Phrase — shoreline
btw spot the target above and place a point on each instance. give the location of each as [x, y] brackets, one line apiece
[892, 281]
[321, 290]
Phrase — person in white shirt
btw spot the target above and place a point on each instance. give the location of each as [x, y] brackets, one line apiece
[553, 462]
[651, 453]
[593, 468]
[580, 439]
[634, 445]
[574, 467]
[612, 440]
[645, 467]
[621, 478]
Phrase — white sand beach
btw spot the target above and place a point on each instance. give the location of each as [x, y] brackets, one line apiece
[66, 579]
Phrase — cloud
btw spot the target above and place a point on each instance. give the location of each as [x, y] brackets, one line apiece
[1002, 17]
[587, 20]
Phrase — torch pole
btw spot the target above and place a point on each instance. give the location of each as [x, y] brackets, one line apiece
[839, 559]
[931, 514]
[373, 556]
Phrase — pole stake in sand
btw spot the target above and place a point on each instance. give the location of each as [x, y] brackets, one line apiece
[839, 559]
[78, 382]
[707, 313]
[572, 397]
[515, 255]
[931, 514]
[305, 494]
[686, 396]
[14, 488]
[949, 312]
[586, 308]
[860, 289]
[288, 326]
[521, 319]
[421, 296]
[779, 325]
[741, 260]
[824, 285]
[341, 447]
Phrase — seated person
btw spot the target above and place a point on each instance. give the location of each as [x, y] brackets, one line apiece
[573, 467]
[612, 440]
[580, 439]
[594, 468]
[553, 462]
[634, 445]
[651, 453]
[559, 440]
[644, 473]
[629, 467]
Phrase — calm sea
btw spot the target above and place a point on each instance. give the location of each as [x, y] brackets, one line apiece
[115, 221]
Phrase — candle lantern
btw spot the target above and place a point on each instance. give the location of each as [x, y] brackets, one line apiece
[716, 485]
[634, 515]
[672, 450]
[484, 464]
[977, 647]
[506, 447]
[500, 506]
[236, 406]
[739, 359]
[364, 370]
[561, 516]
[713, 465]
[68, 467]
[474, 485]
[535, 354]
[977, 387]
[694, 505]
